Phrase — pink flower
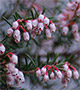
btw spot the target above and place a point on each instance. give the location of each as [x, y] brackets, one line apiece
[46, 21]
[43, 70]
[69, 73]
[2, 49]
[52, 75]
[58, 73]
[65, 30]
[26, 36]
[46, 77]
[15, 25]
[48, 33]
[38, 73]
[14, 59]
[9, 32]
[75, 74]
[41, 17]
[52, 27]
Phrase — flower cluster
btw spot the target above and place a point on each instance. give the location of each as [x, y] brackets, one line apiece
[67, 18]
[65, 74]
[35, 27]
[14, 76]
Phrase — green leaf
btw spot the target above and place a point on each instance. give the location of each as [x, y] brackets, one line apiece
[36, 42]
[15, 17]
[31, 60]
[7, 21]
[32, 14]
[27, 18]
[18, 15]
[43, 10]
[56, 56]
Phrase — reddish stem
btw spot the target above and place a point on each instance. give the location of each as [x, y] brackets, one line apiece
[22, 28]
[11, 53]
[55, 67]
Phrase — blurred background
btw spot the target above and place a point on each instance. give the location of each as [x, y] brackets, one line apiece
[63, 46]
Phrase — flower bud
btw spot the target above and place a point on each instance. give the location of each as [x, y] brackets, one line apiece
[14, 59]
[75, 74]
[75, 28]
[40, 26]
[15, 25]
[43, 70]
[17, 40]
[11, 66]
[65, 67]
[38, 73]
[41, 17]
[52, 75]
[46, 78]
[29, 26]
[35, 23]
[65, 30]
[76, 37]
[59, 74]
[2, 49]
[69, 73]
[26, 36]
[78, 12]
[46, 21]
[60, 17]
[16, 34]
[15, 72]
[48, 33]
[52, 27]
[9, 32]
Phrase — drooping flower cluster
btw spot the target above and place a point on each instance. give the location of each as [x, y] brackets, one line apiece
[56, 73]
[14, 76]
[67, 18]
[35, 27]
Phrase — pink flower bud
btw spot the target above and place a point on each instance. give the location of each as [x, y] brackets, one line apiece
[48, 33]
[75, 28]
[15, 25]
[65, 67]
[26, 36]
[59, 74]
[9, 32]
[76, 37]
[14, 59]
[41, 17]
[52, 27]
[75, 74]
[60, 17]
[46, 78]
[43, 70]
[2, 49]
[78, 12]
[38, 73]
[35, 23]
[69, 73]
[46, 21]
[65, 30]
[40, 26]
[29, 26]
[17, 40]
[16, 34]
[52, 75]
[11, 66]
[63, 23]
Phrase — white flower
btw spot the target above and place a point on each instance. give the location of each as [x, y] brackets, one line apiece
[46, 21]
[9, 32]
[38, 73]
[48, 33]
[65, 30]
[41, 17]
[14, 59]
[17, 40]
[2, 49]
[46, 78]
[15, 25]
[43, 70]
[69, 73]
[15, 72]
[40, 26]
[16, 34]
[52, 27]
[75, 74]
[75, 28]
[65, 67]
[58, 73]
[52, 75]
[35, 23]
[26, 36]
[29, 25]
[11, 66]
